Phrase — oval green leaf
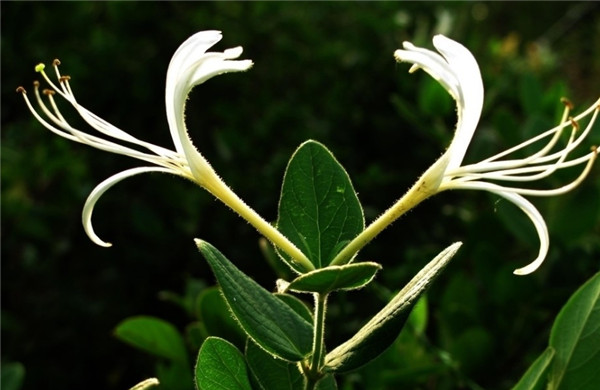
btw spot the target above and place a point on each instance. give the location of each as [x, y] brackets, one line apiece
[221, 366]
[267, 320]
[319, 210]
[575, 338]
[335, 277]
[381, 331]
[155, 336]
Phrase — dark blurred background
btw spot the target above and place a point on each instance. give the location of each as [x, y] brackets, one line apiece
[323, 71]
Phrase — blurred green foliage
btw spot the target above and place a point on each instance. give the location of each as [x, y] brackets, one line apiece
[323, 71]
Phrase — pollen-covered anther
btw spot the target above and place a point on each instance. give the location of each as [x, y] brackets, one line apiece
[56, 62]
[21, 90]
[47, 92]
[64, 78]
[574, 123]
[36, 84]
[567, 103]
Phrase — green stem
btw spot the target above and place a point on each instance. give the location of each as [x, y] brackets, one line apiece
[220, 190]
[427, 185]
[318, 350]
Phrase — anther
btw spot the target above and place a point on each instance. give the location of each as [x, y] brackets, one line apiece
[566, 102]
[47, 92]
[574, 123]
[21, 90]
[64, 78]
[36, 84]
[39, 67]
[56, 62]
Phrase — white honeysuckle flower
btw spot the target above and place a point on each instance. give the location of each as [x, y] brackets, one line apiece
[190, 65]
[456, 69]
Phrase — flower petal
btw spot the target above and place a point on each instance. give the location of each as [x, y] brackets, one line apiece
[101, 188]
[527, 207]
[466, 71]
[190, 66]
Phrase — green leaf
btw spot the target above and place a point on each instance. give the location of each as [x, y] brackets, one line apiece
[536, 376]
[318, 209]
[270, 372]
[381, 331]
[335, 277]
[267, 320]
[575, 337]
[217, 319]
[221, 366]
[153, 335]
[297, 305]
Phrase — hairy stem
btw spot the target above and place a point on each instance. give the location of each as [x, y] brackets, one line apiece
[318, 350]
[427, 185]
[220, 190]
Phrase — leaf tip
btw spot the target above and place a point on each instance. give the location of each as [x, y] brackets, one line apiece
[199, 243]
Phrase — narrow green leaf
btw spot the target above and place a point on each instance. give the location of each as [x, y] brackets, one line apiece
[221, 366]
[267, 320]
[272, 373]
[318, 209]
[153, 335]
[536, 377]
[575, 337]
[335, 277]
[381, 331]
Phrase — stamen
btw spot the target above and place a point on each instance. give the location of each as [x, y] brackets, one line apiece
[36, 84]
[21, 90]
[48, 92]
[56, 62]
[64, 78]
[574, 123]
[567, 103]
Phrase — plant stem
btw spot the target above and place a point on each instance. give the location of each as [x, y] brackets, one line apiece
[222, 192]
[427, 185]
[318, 350]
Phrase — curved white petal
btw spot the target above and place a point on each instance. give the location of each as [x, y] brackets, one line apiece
[190, 66]
[466, 70]
[527, 207]
[457, 70]
[88, 208]
[432, 63]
